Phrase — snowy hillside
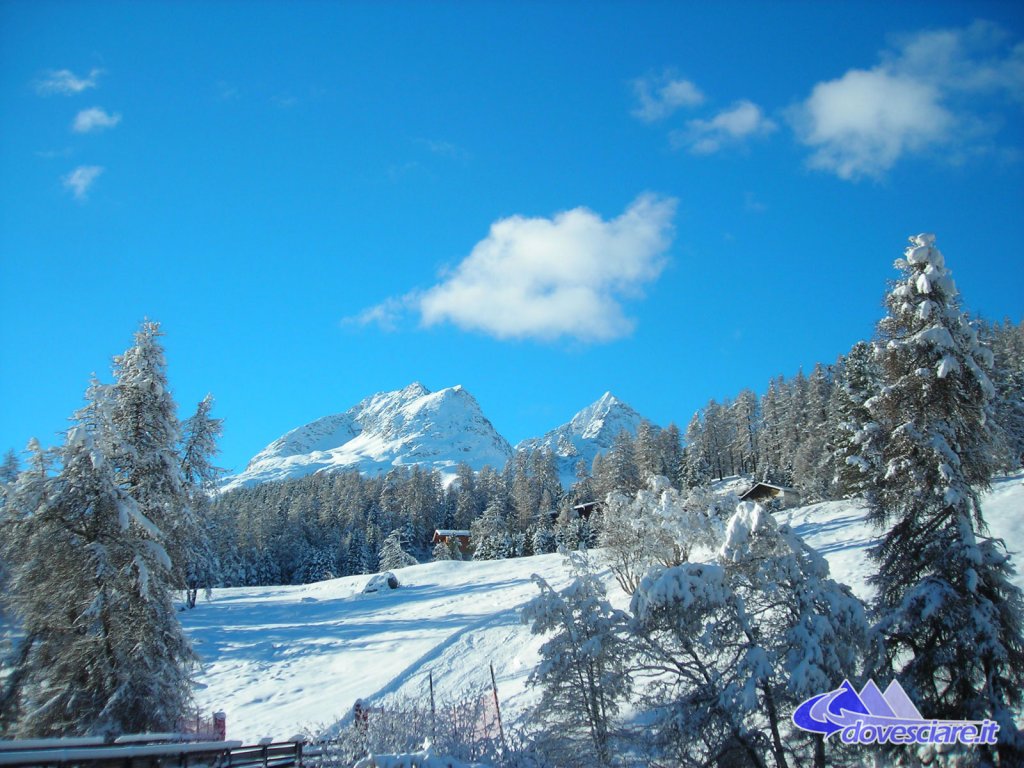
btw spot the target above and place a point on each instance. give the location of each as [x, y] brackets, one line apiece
[281, 659]
[588, 433]
[437, 430]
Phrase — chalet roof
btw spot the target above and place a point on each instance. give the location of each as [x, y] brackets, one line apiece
[585, 504]
[756, 486]
[450, 532]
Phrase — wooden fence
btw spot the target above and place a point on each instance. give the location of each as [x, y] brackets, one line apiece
[149, 751]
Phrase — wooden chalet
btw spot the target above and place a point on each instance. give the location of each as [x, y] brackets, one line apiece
[584, 511]
[449, 535]
[764, 493]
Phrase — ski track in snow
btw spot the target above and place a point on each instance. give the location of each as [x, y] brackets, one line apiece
[281, 660]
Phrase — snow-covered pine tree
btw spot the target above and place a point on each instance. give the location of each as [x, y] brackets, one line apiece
[745, 416]
[623, 472]
[811, 628]
[583, 486]
[490, 534]
[811, 471]
[443, 550]
[696, 464]
[199, 445]
[771, 436]
[855, 434]
[144, 416]
[103, 651]
[392, 552]
[648, 456]
[28, 492]
[319, 565]
[1007, 344]
[582, 671]
[951, 619]
[670, 443]
[9, 468]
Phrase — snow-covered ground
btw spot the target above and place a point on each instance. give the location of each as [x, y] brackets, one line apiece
[279, 660]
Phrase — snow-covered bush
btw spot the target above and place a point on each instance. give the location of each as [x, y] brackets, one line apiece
[423, 759]
[582, 671]
[657, 525]
[729, 649]
[461, 728]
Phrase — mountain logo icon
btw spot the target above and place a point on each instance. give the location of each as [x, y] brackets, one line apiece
[890, 717]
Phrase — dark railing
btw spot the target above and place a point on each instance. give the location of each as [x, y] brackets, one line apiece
[148, 751]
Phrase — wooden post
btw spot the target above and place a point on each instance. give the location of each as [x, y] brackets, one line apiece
[497, 706]
[433, 712]
[220, 726]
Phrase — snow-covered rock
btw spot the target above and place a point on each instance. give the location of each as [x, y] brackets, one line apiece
[588, 433]
[436, 430]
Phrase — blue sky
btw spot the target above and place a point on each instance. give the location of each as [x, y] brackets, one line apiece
[540, 201]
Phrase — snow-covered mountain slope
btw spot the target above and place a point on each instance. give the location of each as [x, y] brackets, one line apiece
[437, 430]
[282, 659]
[588, 433]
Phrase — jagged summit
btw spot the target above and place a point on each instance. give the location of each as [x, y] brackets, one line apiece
[412, 425]
[588, 433]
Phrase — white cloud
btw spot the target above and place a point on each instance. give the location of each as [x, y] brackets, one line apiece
[94, 119]
[546, 278]
[977, 59]
[64, 81]
[387, 314]
[658, 97]
[741, 121]
[565, 276]
[862, 123]
[924, 94]
[80, 180]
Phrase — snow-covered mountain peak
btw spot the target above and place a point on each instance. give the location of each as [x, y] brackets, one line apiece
[437, 430]
[412, 425]
[591, 421]
[588, 433]
[415, 389]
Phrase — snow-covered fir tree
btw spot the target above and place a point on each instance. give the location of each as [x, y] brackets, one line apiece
[200, 433]
[9, 468]
[811, 463]
[745, 415]
[855, 456]
[490, 534]
[443, 550]
[951, 620]
[1007, 343]
[144, 415]
[102, 650]
[582, 671]
[393, 554]
[696, 464]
